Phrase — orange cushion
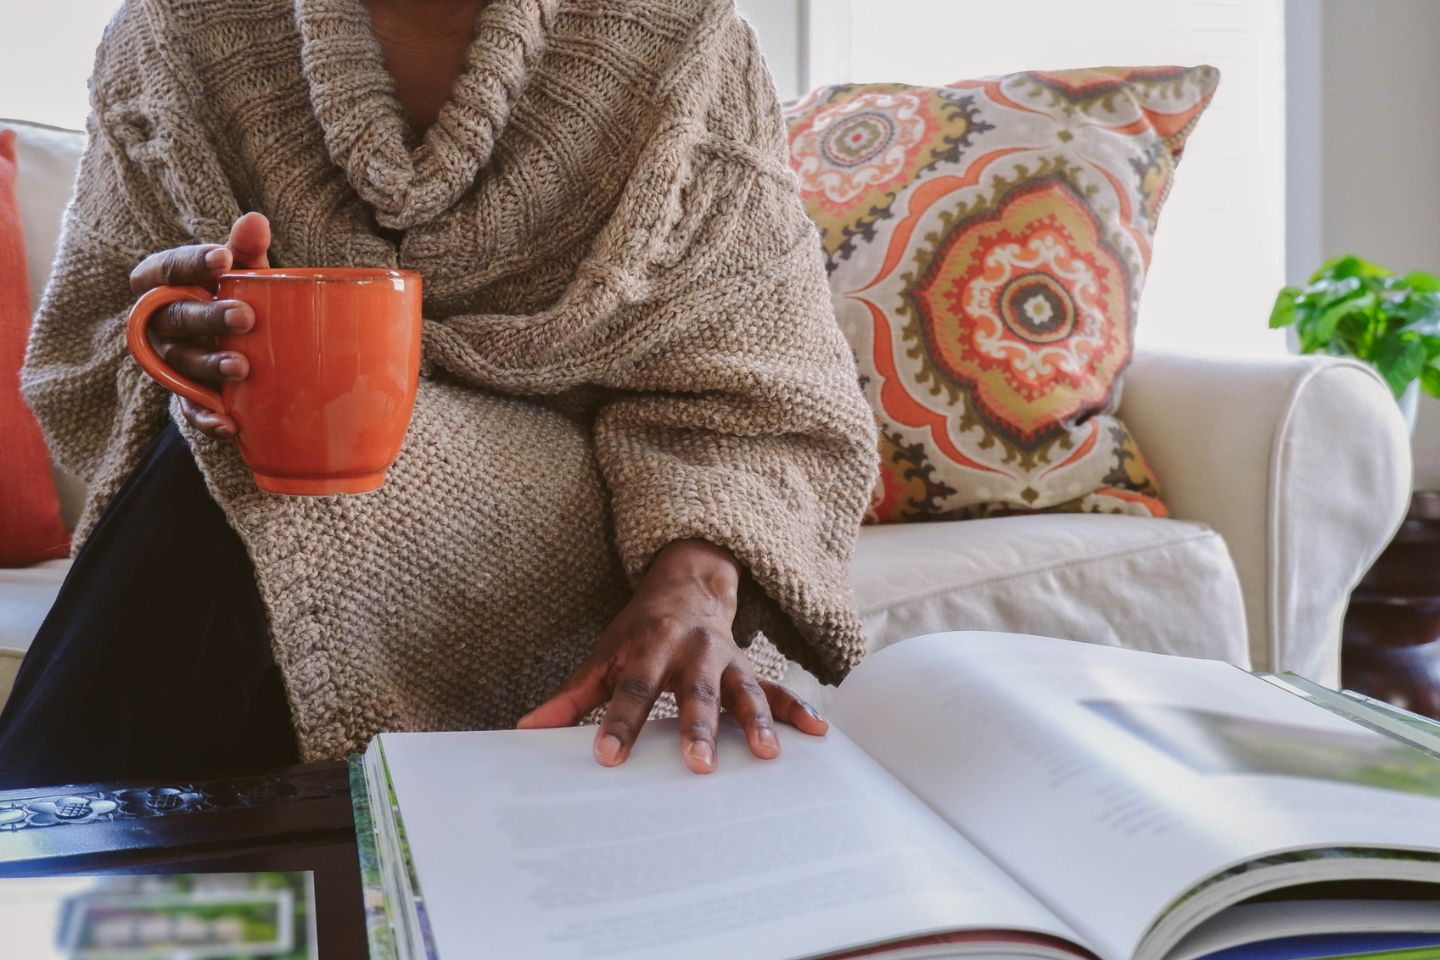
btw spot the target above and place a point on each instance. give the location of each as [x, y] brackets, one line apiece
[987, 245]
[30, 525]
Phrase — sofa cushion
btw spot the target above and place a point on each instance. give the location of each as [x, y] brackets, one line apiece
[1160, 585]
[48, 158]
[25, 598]
[987, 245]
[30, 527]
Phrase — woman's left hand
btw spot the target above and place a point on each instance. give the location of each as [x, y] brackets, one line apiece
[675, 635]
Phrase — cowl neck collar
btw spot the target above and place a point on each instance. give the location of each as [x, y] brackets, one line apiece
[366, 131]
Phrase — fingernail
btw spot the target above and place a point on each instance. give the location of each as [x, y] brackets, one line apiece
[217, 259]
[230, 368]
[225, 433]
[701, 752]
[607, 748]
[767, 738]
[237, 318]
[813, 713]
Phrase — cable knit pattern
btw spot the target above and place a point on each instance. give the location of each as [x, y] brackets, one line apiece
[628, 336]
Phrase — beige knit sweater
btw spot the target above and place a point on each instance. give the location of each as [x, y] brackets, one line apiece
[628, 336]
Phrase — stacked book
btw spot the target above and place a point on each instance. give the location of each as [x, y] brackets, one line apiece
[979, 795]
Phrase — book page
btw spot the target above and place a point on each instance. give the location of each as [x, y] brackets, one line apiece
[1109, 782]
[525, 847]
[1251, 922]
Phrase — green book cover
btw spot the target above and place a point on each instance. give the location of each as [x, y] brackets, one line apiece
[396, 917]
[377, 920]
[1414, 953]
[1411, 729]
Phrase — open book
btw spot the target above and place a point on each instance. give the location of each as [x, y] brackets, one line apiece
[979, 795]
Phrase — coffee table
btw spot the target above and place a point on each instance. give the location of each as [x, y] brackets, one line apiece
[298, 818]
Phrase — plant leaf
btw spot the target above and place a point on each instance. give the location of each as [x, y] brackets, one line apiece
[1423, 282]
[1349, 266]
[1357, 308]
[1351, 334]
[1283, 313]
[1420, 311]
[1329, 320]
[1400, 360]
[1327, 290]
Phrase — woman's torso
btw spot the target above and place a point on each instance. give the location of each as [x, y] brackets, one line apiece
[495, 206]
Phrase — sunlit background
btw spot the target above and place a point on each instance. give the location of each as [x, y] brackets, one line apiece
[1232, 180]
[1314, 146]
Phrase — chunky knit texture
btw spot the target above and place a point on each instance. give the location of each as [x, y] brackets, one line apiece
[628, 336]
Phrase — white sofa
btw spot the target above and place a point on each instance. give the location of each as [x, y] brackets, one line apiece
[1286, 479]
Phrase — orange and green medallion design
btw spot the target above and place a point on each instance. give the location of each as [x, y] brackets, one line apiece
[987, 246]
[859, 155]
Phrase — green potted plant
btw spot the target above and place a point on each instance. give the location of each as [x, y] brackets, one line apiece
[1353, 308]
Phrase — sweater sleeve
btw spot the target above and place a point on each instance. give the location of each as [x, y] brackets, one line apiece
[750, 430]
[97, 408]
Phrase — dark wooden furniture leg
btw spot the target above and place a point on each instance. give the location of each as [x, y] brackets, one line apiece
[1392, 630]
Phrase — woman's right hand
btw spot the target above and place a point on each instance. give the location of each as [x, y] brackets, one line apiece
[184, 333]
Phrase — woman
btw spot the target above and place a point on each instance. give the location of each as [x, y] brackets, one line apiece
[638, 444]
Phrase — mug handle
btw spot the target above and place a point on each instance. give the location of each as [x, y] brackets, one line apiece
[147, 357]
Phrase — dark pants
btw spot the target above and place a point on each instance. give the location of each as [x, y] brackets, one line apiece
[155, 659]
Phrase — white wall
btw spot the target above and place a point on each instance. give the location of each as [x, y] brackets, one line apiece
[46, 52]
[1380, 168]
[779, 24]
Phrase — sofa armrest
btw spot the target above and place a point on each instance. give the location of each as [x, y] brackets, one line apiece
[1302, 465]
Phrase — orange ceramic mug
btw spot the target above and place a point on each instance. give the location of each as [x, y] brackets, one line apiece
[334, 366]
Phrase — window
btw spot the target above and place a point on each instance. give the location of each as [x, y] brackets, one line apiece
[782, 26]
[1220, 250]
[46, 53]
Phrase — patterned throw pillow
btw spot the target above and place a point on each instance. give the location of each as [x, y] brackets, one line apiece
[987, 244]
